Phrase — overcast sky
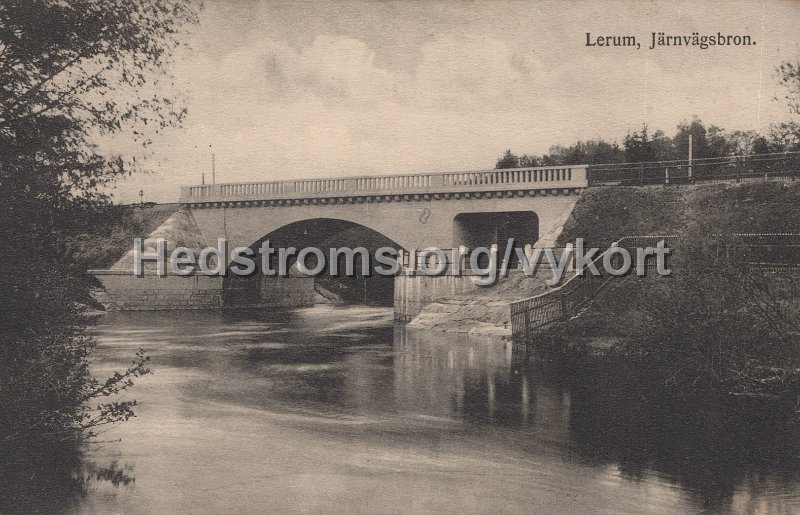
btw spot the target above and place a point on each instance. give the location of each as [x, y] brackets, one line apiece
[281, 90]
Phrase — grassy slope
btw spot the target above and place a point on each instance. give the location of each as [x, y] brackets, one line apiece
[603, 215]
[113, 233]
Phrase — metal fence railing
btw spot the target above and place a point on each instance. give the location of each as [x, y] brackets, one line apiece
[533, 315]
[530, 317]
[776, 251]
[729, 168]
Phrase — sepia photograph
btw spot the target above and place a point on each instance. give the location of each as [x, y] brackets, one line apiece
[399, 256]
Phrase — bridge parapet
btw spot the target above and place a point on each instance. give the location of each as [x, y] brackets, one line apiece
[513, 179]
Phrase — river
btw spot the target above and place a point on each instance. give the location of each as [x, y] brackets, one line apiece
[336, 409]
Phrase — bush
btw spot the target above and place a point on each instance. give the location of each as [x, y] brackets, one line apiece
[46, 388]
[717, 326]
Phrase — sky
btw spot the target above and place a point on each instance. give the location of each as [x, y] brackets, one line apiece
[282, 90]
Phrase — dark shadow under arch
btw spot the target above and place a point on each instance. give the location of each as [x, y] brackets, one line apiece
[323, 233]
[485, 229]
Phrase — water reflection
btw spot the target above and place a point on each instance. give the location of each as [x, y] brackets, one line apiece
[53, 478]
[324, 408]
[743, 455]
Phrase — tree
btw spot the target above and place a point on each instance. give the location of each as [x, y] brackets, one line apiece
[789, 78]
[582, 152]
[745, 143]
[509, 160]
[716, 325]
[785, 136]
[69, 71]
[698, 131]
[663, 148]
[602, 152]
[638, 147]
[526, 161]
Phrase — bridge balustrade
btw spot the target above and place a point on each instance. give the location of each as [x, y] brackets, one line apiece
[573, 176]
[510, 176]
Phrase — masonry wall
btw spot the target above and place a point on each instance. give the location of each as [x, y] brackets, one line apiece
[127, 292]
[402, 222]
[151, 292]
[414, 292]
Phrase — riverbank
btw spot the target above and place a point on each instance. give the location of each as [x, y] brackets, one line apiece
[602, 216]
[714, 327]
[605, 214]
[485, 312]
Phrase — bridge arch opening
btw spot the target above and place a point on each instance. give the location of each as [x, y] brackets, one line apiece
[497, 227]
[259, 289]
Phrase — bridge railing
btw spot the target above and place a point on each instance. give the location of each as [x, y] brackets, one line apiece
[727, 169]
[573, 176]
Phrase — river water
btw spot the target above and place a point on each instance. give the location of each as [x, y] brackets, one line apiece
[336, 409]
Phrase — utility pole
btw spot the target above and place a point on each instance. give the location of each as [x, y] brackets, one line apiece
[690, 158]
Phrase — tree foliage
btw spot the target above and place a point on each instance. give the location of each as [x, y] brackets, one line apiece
[719, 326]
[639, 147]
[69, 71]
[787, 134]
[583, 152]
[708, 141]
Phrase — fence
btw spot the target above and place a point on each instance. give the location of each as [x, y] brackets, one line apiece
[534, 314]
[731, 168]
[767, 252]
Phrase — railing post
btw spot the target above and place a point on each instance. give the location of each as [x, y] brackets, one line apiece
[526, 334]
[569, 250]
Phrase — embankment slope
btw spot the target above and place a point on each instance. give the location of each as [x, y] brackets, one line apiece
[603, 215]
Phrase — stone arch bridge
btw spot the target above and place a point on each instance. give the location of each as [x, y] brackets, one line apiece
[435, 209]
[444, 210]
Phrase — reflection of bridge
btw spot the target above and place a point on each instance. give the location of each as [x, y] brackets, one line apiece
[412, 210]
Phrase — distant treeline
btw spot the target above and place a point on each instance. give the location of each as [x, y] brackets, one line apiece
[640, 146]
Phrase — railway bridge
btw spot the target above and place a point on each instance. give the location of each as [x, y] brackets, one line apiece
[414, 211]
[405, 212]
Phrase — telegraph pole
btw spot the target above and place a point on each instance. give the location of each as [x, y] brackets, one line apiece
[690, 158]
